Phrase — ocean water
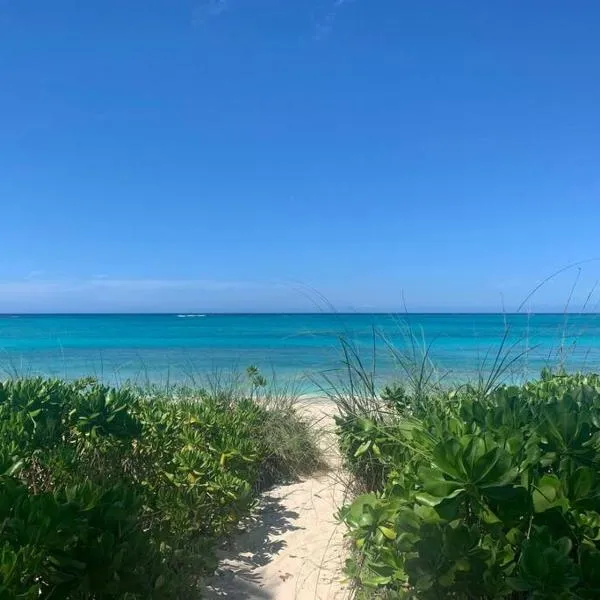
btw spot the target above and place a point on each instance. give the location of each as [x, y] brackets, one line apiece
[184, 348]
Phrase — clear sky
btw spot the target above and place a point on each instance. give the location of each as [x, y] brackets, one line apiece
[242, 155]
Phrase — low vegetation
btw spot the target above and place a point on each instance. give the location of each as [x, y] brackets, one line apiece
[117, 493]
[475, 493]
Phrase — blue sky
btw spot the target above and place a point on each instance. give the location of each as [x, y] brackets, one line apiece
[248, 155]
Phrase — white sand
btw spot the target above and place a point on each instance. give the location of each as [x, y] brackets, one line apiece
[293, 548]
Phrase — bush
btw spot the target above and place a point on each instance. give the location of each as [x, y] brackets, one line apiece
[479, 495]
[110, 493]
[81, 541]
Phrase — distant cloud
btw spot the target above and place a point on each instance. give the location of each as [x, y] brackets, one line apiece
[99, 294]
[324, 27]
[36, 274]
[209, 9]
[164, 284]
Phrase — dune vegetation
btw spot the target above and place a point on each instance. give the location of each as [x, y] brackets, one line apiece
[475, 492]
[125, 493]
[471, 491]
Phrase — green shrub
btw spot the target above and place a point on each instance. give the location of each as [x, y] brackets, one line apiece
[78, 542]
[110, 493]
[480, 495]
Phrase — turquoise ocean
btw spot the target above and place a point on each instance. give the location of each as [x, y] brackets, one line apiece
[184, 348]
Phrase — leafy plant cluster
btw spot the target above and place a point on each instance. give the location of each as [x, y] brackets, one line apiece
[476, 495]
[105, 493]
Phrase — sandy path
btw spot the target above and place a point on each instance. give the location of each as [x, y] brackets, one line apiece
[293, 548]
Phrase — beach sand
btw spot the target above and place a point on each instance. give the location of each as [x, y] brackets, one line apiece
[292, 548]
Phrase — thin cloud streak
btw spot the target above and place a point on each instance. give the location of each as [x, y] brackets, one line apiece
[325, 26]
[208, 10]
[153, 295]
[69, 285]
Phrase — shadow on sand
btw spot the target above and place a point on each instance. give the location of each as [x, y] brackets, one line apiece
[238, 576]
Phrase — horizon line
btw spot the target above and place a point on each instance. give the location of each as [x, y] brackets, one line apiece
[292, 312]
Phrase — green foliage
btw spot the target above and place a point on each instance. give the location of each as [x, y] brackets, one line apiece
[81, 541]
[256, 378]
[477, 495]
[107, 493]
